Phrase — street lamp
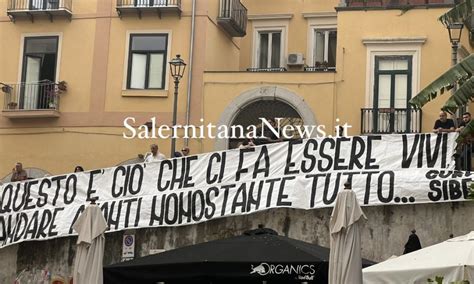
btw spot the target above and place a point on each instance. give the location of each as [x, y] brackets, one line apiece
[177, 67]
[455, 30]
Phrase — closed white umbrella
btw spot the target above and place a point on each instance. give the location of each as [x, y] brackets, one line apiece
[345, 262]
[90, 226]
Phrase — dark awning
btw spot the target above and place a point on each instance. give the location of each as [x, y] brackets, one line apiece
[257, 255]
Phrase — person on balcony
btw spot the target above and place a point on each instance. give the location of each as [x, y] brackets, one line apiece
[443, 124]
[466, 156]
[466, 118]
[185, 151]
[154, 156]
[78, 169]
[18, 173]
[246, 144]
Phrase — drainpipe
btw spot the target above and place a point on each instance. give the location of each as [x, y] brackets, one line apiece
[190, 70]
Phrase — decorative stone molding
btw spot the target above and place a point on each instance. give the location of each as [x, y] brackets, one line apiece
[394, 40]
[263, 93]
[269, 17]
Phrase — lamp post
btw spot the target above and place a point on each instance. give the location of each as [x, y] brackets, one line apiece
[177, 67]
[455, 30]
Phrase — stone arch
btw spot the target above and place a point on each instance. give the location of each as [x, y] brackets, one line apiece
[263, 93]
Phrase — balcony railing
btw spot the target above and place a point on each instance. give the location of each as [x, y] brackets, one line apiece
[390, 120]
[396, 3]
[42, 95]
[319, 68]
[233, 17]
[272, 69]
[142, 6]
[463, 157]
[31, 8]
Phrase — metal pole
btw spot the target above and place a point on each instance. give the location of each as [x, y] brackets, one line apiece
[190, 71]
[454, 54]
[462, 109]
[454, 61]
[175, 110]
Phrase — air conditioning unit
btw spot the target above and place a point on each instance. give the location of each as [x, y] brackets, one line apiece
[295, 59]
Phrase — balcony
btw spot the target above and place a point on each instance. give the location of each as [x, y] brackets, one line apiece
[141, 7]
[394, 4]
[233, 17]
[390, 120]
[31, 100]
[272, 69]
[39, 8]
[319, 69]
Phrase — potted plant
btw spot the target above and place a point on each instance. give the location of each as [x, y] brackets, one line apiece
[12, 105]
[51, 98]
[6, 89]
[62, 86]
[51, 102]
[325, 65]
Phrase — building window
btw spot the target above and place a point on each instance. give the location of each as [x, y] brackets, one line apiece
[393, 76]
[39, 65]
[269, 49]
[143, 3]
[324, 52]
[149, 3]
[44, 5]
[147, 61]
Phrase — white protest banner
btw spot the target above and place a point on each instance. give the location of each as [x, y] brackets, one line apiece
[384, 169]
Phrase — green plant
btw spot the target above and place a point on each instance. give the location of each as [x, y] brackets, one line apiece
[460, 74]
[438, 280]
[62, 85]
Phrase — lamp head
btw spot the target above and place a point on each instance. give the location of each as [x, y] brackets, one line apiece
[177, 67]
[455, 30]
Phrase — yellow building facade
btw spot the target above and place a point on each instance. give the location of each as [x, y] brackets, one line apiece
[312, 62]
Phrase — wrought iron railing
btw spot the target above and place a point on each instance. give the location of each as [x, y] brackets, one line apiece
[39, 5]
[31, 96]
[390, 120]
[395, 3]
[272, 69]
[319, 68]
[148, 3]
[464, 157]
[234, 11]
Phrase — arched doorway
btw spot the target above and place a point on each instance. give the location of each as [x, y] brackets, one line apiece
[265, 98]
[255, 111]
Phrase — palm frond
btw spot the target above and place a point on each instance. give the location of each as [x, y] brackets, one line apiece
[457, 74]
[461, 97]
[470, 189]
[458, 13]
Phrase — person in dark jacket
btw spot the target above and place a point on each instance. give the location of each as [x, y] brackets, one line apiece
[413, 243]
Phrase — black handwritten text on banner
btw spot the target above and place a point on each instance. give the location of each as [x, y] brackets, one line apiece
[389, 169]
